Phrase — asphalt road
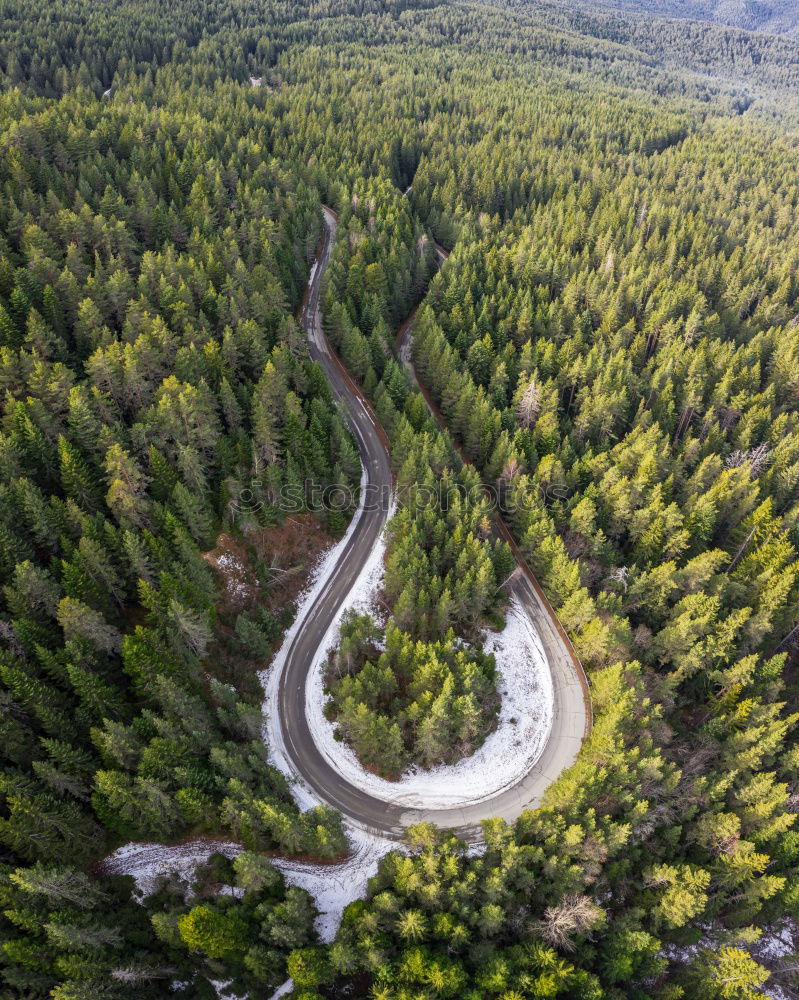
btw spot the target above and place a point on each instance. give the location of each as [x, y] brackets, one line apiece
[572, 717]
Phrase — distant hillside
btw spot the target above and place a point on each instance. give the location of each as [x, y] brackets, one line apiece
[703, 53]
[773, 16]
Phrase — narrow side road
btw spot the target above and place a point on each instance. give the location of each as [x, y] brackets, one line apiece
[572, 718]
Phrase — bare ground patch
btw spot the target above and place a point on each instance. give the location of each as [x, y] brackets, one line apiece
[261, 575]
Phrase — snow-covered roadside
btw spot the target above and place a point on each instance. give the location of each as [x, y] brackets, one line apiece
[314, 269]
[333, 886]
[525, 720]
[270, 678]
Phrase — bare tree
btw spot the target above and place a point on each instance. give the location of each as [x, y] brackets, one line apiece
[620, 575]
[758, 459]
[529, 405]
[134, 974]
[573, 916]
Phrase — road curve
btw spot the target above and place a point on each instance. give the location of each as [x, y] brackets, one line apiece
[571, 716]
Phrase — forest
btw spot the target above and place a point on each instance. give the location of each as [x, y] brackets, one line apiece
[775, 16]
[613, 342]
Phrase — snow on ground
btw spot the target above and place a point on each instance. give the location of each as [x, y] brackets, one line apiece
[281, 991]
[270, 678]
[238, 581]
[775, 992]
[525, 720]
[775, 949]
[777, 942]
[148, 862]
[221, 987]
[333, 886]
[312, 275]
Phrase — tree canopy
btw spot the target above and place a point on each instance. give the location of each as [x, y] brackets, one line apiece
[613, 342]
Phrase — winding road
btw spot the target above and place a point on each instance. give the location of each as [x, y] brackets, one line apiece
[572, 709]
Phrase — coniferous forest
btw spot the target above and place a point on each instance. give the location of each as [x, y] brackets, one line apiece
[593, 216]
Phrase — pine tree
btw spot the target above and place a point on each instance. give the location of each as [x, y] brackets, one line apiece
[81, 622]
[127, 485]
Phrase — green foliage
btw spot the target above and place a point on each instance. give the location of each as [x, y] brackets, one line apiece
[217, 935]
[613, 344]
[414, 701]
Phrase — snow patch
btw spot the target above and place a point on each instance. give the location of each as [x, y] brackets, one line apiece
[312, 275]
[221, 987]
[236, 575]
[240, 584]
[148, 862]
[335, 886]
[281, 991]
[777, 942]
[775, 950]
[775, 992]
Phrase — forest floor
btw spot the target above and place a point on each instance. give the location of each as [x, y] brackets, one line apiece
[264, 570]
[284, 553]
